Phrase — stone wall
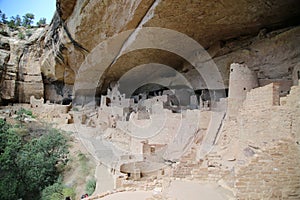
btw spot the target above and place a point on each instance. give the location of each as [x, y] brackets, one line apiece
[262, 119]
[262, 97]
[258, 153]
[273, 174]
[284, 85]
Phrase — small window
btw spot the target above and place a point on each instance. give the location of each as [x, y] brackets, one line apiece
[298, 73]
[231, 70]
[152, 149]
[244, 88]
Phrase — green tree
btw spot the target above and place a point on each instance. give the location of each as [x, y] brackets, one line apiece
[18, 20]
[11, 24]
[53, 191]
[41, 22]
[28, 20]
[58, 191]
[10, 145]
[27, 167]
[39, 159]
[3, 17]
[14, 22]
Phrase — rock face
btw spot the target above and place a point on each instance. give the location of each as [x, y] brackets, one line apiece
[261, 34]
[220, 27]
[20, 69]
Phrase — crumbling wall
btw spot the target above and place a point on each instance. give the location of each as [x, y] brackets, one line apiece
[55, 113]
[34, 103]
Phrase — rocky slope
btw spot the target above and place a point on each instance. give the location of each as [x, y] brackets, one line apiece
[262, 34]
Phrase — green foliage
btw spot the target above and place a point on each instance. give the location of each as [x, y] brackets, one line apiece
[2, 123]
[23, 111]
[17, 20]
[14, 22]
[41, 22]
[28, 20]
[21, 35]
[20, 130]
[90, 186]
[69, 192]
[51, 192]
[3, 18]
[27, 167]
[22, 114]
[58, 191]
[11, 24]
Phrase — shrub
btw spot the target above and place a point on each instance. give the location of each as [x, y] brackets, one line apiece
[58, 191]
[90, 186]
[69, 192]
[11, 24]
[21, 35]
[22, 114]
[23, 111]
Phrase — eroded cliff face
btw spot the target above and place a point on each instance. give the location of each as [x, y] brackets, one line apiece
[20, 72]
[261, 34]
[220, 28]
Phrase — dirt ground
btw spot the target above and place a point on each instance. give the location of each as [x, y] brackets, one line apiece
[81, 166]
[178, 190]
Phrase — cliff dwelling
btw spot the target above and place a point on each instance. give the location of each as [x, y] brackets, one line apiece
[170, 99]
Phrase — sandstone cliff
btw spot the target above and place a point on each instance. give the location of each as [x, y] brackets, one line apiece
[262, 34]
[20, 71]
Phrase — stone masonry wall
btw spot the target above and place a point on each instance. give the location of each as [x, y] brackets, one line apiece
[272, 174]
[262, 97]
[260, 156]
